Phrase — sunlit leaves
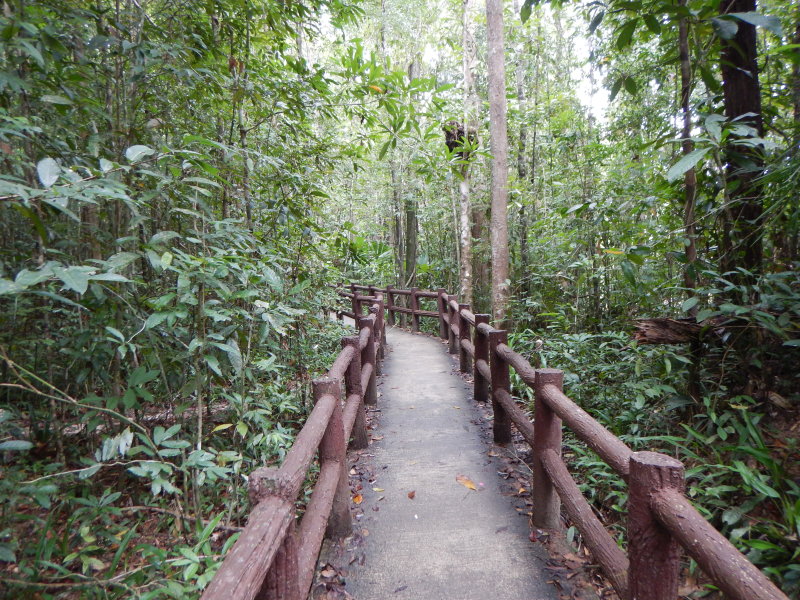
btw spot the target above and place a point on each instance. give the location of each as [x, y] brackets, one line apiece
[136, 153]
[48, 171]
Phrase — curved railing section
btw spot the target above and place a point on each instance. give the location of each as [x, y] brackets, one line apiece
[661, 520]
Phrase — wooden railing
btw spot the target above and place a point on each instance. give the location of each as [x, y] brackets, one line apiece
[274, 556]
[660, 518]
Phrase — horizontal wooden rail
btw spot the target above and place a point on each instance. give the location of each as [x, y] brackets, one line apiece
[275, 556]
[660, 518]
[602, 546]
[610, 448]
[736, 576]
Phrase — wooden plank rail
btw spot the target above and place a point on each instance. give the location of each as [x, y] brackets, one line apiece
[661, 520]
[275, 555]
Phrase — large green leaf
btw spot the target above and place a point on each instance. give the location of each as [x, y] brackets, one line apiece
[48, 171]
[768, 22]
[74, 278]
[685, 163]
[136, 153]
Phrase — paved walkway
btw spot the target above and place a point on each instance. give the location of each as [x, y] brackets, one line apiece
[446, 541]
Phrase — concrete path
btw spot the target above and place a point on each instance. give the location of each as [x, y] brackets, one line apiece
[447, 542]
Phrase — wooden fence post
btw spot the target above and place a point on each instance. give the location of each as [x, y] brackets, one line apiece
[390, 305]
[368, 357]
[481, 342]
[654, 554]
[415, 310]
[546, 436]
[333, 447]
[355, 302]
[375, 338]
[463, 334]
[283, 579]
[501, 380]
[441, 307]
[452, 318]
[352, 385]
[381, 322]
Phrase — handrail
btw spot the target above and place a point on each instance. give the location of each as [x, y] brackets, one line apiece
[660, 518]
[275, 556]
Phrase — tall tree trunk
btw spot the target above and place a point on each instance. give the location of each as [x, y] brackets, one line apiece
[470, 103]
[522, 165]
[499, 145]
[410, 207]
[796, 81]
[690, 177]
[397, 225]
[689, 199]
[742, 94]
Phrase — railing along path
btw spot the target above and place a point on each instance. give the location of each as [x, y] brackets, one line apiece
[276, 558]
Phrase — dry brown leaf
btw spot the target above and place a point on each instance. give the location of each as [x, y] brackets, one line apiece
[412, 494]
[328, 571]
[358, 498]
[375, 438]
[466, 482]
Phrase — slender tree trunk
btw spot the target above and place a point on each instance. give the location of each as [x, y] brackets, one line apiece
[470, 102]
[796, 81]
[689, 178]
[522, 170]
[499, 146]
[410, 207]
[742, 94]
[690, 193]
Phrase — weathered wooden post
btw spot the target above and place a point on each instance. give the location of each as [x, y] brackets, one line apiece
[333, 448]
[375, 338]
[390, 305]
[654, 554]
[381, 322]
[481, 342]
[546, 436]
[414, 310]
[283, 579]
[451, 318]
[352, 386]
[501, 380]
[441, 307]
[355, 302]
[368, 358]
[463, 334]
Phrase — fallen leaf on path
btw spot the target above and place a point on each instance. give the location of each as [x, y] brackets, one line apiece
[412, 494]
[457, 407]
[378, 490]
[375, 438]
[466, 482]
[365, 532]
[358, 498]
[328, 571]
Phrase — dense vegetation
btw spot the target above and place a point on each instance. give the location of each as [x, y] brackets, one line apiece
[180, 183]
